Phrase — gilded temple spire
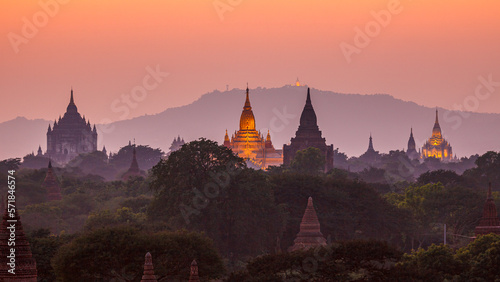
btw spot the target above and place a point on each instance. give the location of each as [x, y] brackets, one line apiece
[247, 120]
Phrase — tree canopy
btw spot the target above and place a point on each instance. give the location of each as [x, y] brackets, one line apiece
[118, 253]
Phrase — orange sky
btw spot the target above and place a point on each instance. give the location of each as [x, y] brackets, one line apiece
[431, 52]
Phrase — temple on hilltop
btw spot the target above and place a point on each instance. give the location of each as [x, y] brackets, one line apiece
[25, 264]
[489, 223]
[310, 234]
[437, 146]
[133, 170]
[411, 150]
[149, 271]
[297, 82]
[250, 144]
[70, 136]
[370, 156]
[51, 185]
[308, 135]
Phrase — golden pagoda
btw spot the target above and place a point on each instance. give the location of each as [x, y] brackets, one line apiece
[437, 146]
[250, 144]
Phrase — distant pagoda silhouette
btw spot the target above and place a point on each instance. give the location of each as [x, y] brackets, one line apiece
[133, 170]
[489, 223]
[70, 136]
[370, 156]
[193, 275]
[308, 135]
[51, 185]
[411, 150]
[176, 144]
[149, 272]
[25, 270]
[310, 234]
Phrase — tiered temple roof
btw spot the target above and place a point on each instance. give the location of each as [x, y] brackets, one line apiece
[71, 135]
[411, 150]
[489, 223]
[437, 146]
[176, 144]
[51, 185]
[308, 135]
[193, 275]
[149, 271]
[25, 265]
[134, 168]
[370, 156]
[310, 234]
[249, 143]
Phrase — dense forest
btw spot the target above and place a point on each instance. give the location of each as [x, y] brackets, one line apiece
[382, 222]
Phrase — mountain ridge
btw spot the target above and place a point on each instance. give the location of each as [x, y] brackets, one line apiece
[346, 120]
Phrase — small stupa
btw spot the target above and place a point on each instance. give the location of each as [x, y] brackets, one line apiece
[193, 276]
[310, 234]
[489, 223]
[149, 272]
[51, 185]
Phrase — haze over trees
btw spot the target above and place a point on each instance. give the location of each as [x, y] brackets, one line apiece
[365, 113]
[241, 221]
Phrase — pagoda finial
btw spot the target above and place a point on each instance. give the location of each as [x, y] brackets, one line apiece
[308, 118]
[247, 119]
[370, 143]
[247, 101]
[72, 101]
[71, 106]
[489, 191]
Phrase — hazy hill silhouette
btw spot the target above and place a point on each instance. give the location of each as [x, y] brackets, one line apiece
[346, 120]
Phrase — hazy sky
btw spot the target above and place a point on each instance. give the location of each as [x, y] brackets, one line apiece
[430, 52]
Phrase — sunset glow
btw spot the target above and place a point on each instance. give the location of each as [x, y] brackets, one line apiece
[431, 53]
